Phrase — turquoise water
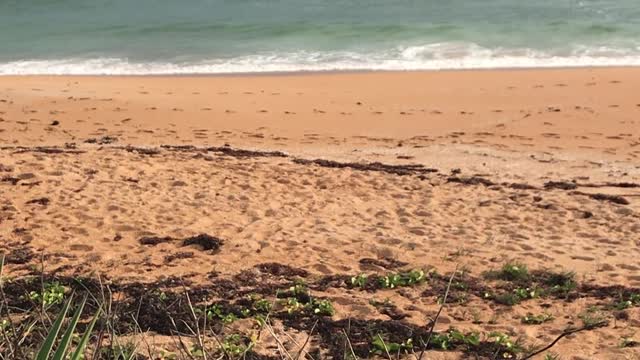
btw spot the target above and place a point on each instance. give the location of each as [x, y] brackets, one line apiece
[226, 36]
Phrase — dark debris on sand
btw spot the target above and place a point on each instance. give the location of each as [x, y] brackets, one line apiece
[102, 141]
[19, 256]
[141, 150]
[387, 263]
[471, 180]
[44, 150]
[281, 270]
[39, 201]
[10, 179]
[225, 150]
[154, 240]
[616, 199]
[229, 151]
[561, 185]
[206, 242]
[416, 169]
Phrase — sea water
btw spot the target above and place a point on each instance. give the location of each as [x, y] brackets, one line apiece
[246, 36]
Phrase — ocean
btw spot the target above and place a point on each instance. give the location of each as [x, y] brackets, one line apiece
[247, 36]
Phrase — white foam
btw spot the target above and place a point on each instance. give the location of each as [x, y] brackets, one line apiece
[440, 56]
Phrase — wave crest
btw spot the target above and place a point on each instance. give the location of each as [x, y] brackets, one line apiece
[437, 56]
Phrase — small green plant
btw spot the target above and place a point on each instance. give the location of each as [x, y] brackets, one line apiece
[162, 296]
[51, 294]
[560, 284]
[314, 306]
[592, 318]
[196, 351]
[322, 307]
[453, 338]
[507, 299]
[382, 347]
[359, 281]
[531, 319]
[527, 293]
[299, 288]
[215, 311]
[229, 318]
[262, 305]
[516, 296]
[235, 345]
[413, 277]
[627, 302]
[510, 272]
[507, 346]
[292, 305]
[551, 356]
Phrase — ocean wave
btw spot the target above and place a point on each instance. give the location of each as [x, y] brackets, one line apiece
[438, 56]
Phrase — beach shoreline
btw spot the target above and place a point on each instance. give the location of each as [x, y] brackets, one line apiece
[297, 73]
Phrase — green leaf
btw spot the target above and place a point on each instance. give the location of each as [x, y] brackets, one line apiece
[66, 338]
[45, 350]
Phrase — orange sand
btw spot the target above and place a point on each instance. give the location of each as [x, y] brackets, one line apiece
[525, 126]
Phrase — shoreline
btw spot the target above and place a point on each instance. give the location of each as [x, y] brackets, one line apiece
[293, 73]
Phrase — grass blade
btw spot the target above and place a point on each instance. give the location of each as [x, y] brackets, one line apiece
[1, 267]
[45, 350]
[66, 338]
[78, 354]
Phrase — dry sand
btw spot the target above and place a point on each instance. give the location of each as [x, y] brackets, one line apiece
[514, 130]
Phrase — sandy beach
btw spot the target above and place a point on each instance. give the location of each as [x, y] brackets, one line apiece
[333, 175]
